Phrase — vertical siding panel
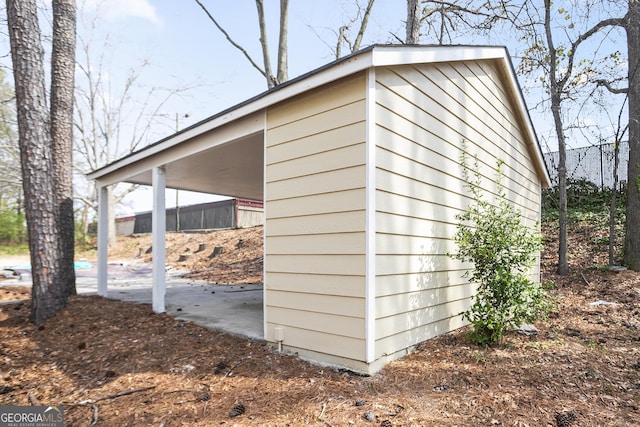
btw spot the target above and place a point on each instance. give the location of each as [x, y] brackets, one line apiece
[424, 112]
[315, 220]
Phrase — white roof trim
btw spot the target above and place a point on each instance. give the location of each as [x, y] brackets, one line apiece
[394, 55]
[375, 56]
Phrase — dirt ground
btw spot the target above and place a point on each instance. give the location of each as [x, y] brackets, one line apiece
[224, 256]
[113, 363]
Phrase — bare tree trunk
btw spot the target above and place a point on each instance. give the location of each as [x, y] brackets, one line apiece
[283, 42]
[563, 266]
[612, 206]
[413, 22]
[85, 223]
[62, 86]
[233, 43]
[556, 100]
[343, 31]
[48, 295]
[283, 65]
[264, 42]
[632, 226]
[363, 26]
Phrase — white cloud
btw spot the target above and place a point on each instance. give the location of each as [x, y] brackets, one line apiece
[122, 9]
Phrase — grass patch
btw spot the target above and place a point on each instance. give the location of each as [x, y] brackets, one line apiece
[14, 250]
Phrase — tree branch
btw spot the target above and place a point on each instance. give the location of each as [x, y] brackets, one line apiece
[620, 22]
[233, 43]
[363, 26]
[445, 7]
[614, 90]
[112, 396]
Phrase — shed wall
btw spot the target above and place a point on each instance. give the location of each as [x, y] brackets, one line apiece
[125, 226]
[315, 220]
[423, 115]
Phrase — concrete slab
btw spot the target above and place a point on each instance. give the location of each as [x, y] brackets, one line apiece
[235, 309]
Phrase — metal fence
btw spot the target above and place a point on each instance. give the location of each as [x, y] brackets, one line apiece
[594, 164]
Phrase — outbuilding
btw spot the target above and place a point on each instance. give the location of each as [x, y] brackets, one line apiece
[358, 165]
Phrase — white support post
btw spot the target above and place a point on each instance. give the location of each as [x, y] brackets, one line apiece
[103, 239]
[158, 229]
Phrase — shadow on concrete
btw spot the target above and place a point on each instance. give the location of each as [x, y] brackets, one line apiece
[235, 309]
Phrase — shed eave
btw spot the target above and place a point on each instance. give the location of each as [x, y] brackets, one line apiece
[415, 54]
[373, 56]
[336, 71]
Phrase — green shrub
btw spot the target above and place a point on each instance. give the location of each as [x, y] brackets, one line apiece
[583, 197]
[502, 249]
[13, 229]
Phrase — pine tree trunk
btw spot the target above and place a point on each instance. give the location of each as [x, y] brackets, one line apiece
[36, 157]
[62, 87]
[632, 226]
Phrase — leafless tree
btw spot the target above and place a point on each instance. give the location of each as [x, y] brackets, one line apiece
[413, 22]
[446, 20]
[362, 17]
[562, 68]
[282, 61]
[565, 73]
[44, 140]
[10, 175]
[631, 24]
[343, 38]
[112, 119]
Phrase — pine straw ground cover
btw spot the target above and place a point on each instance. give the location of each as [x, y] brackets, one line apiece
[113, 363]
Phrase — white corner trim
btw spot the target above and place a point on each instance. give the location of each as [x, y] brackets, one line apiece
[370, 226]
[264, 231]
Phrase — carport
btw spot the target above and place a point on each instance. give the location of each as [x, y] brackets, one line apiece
[227, 161]
[358, 165]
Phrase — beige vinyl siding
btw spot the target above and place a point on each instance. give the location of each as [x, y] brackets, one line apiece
[305, 283]
[315, 220]
[347, 200]
[322, 183]
[441, 124]
[423, 113]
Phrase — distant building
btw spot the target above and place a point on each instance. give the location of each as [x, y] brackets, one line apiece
[231, 213]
